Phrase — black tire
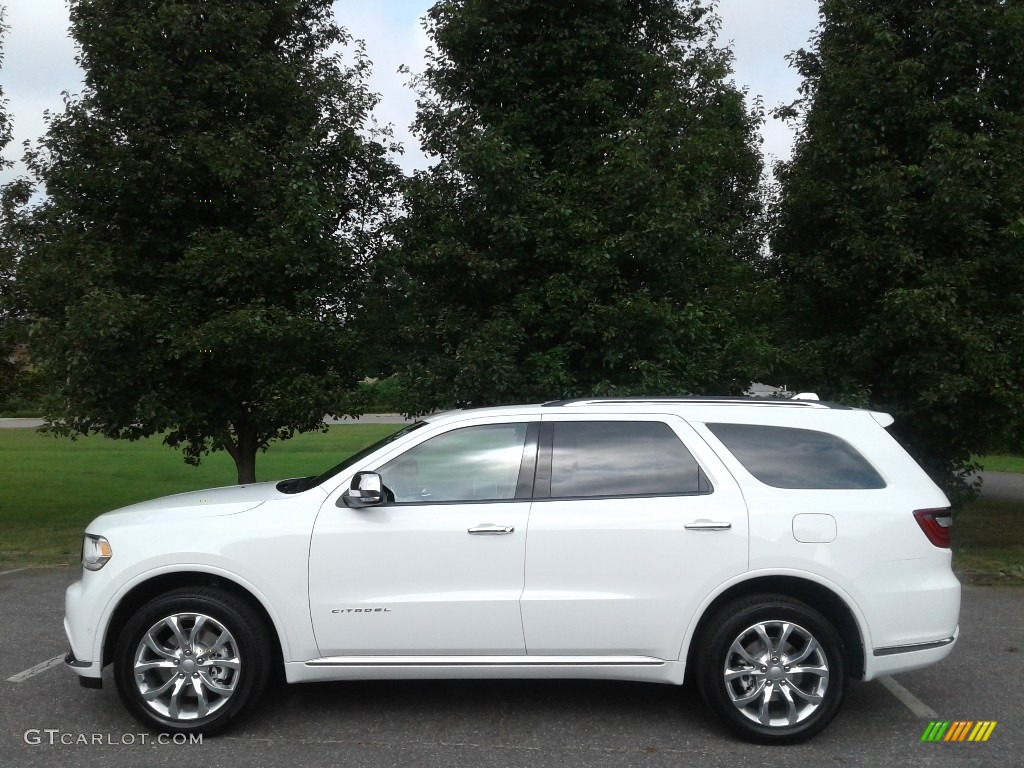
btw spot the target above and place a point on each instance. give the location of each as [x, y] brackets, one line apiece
[814, 682]
[211, 671]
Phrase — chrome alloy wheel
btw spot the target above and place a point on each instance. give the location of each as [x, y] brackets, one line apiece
[186, 666]
[776, 673]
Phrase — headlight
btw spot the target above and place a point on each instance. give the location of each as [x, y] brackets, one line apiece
[95, 552]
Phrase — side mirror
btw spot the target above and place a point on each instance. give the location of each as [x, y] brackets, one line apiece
[367, 490]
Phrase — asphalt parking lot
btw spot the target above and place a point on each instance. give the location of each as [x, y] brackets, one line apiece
[48, 719]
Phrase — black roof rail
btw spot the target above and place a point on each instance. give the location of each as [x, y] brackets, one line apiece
[695, 400]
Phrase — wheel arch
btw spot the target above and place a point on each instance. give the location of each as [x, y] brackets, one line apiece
[819, 596]
[143, 592]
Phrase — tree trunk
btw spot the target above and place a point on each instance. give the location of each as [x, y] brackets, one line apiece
[244, 453]
[245, 463]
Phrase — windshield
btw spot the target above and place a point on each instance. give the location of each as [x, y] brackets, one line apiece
[304, 484]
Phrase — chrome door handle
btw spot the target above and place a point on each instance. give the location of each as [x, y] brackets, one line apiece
[490, 529]
[707, 525]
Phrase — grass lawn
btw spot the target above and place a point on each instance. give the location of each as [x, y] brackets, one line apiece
[1001, 463]
[51, 488]
[988, 537]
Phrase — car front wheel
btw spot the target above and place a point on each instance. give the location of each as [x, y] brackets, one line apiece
[192, 661]
[772, 668]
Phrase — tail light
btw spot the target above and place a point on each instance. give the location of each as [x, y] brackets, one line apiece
[936, 524]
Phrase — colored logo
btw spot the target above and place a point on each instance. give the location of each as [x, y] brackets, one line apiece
[958, 730]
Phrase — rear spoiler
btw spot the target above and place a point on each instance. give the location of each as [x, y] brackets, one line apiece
[882, 418]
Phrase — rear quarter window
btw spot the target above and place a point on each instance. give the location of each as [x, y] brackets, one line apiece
[785, 457]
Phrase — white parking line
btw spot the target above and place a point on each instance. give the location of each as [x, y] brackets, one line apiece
[33, 671]
[909, 700]
[14, 570]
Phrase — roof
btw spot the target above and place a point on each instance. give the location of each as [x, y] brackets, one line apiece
[802, 410]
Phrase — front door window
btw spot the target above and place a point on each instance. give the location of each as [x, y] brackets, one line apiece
[471, 464]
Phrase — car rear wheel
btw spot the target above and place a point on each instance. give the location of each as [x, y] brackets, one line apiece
[772, 668]
[192, 661]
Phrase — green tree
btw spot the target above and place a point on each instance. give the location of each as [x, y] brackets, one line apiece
[587, 226]
[9, 372]
[213, 199]
[899, 244]
[5, 120]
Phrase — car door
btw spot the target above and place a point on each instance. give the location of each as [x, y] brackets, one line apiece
[629, 532]
[437, 569]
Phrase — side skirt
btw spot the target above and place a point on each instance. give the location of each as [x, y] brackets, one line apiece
[636, 668]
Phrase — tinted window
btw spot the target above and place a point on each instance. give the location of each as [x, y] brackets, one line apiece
[468, 464]
[621, 458]
[797, 458]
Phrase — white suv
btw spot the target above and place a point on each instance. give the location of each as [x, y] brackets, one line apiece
[772, 549]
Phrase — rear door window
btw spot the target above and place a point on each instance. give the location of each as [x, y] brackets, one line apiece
[785, 457]
[619, 458]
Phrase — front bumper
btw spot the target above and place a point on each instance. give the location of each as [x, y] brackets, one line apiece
[79, 619]
[76, 665]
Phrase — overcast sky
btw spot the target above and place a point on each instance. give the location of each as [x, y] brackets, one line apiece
[39, 60]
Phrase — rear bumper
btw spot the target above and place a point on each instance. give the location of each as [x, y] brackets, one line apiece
[896, 649]
[906, 658]
[912, 608]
